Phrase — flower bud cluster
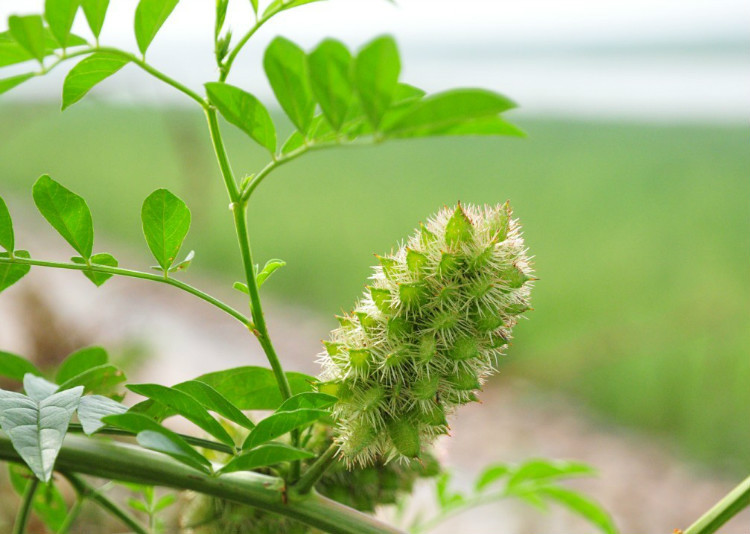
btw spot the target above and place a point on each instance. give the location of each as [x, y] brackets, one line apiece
[427, 332]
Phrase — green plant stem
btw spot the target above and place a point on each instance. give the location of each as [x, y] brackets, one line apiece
[736, 500]
[89, 492]
[24, 512]
[72, 516]
[468, 504]
[192, 440]
[127, 463]
[221, 156]
[310, 477]
[135, 274]
[272, 166]
[227, 65]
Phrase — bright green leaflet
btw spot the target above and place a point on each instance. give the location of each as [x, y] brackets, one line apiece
[281, 5]
[329, 67]
[244, 111]
[37, 427]
[66, 212]
[376, 71]
[95, 11]
[214, 401]
[286, 68]
[15, 367]
[268, 269]
[7, 84]
[101, 258]
[582, 506]
[11, 273]
[60, 15]
[102, 379]
[7, 238]
[80, 361]
[280, 423]
[166, 221]
[89, 72]
[149, 17]
[265, 455]
[28, 31]
[307, 400]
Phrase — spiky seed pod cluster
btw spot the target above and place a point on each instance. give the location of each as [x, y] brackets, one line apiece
[427, 331]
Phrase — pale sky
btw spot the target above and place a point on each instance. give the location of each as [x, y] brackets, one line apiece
[508, 45]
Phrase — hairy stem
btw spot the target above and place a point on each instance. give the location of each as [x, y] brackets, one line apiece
[123, 462]
[135, 274]
[310, 477]
[87, 491]
[24, 512]
[736, 500]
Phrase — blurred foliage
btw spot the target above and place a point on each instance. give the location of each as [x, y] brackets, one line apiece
[640, 235]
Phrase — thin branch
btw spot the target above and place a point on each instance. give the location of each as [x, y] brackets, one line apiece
[736, 500]
[24, 512]
[310, 477]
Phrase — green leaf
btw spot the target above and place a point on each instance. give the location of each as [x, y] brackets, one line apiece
[307, 400]
[329, 67]
[254, 3]
[279, 423]
[80, 361]
[36, 427]
[11, 52]
[376, 71]
[545, 471]
[10, 273]
[265, 455]
[165, 502]
[241, 287]
[214, 401]
[102, 379]
[49, 504]
[7, 238]
[264, 393]
[15, 367]
[244, 111]
[186, 406]
[28, 31]
[282, 5]
[166, 221]
[87, 73]
[491, 475]
[152, 435]
[6, 84]
[268, 269]
[407, 93]
[582, 506]
[103, 258]
[66, 212]
[482, 126]
[93, 408]
[184, 264]
[60, 15]
[448, 109]
[285, 64]
[37, 388]
[149, 17]
[95, 10]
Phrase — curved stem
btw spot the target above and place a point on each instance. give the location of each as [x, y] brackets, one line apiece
[72, 516]
[135, 274]
[24, 512]
[126, 463]
[221, 155]
[310, 477]
[273, 165]
[735, 501]
[89, 492]
[227, 66]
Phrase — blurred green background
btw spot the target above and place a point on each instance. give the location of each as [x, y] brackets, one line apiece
[639, 232]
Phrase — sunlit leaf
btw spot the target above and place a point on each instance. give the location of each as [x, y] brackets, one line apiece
[87, 73]
[166, 221]
[264, 395]
[7, 237]
[102, 379]
[6, 84]
[214, 401]
[104, 259]
[149, 17]
[11, 52]
[582, 506]
[95, 11]
[285, 64]
[307, 400]
[15, 367]
[281, 5]
[80, 361]
[10, 273]
[376, 71]
[28, 31]
[244, 111]
[491, 475]
[265, 455]
[66, 212]
[60, 15]
[329, 68]
[279, 423]
[268, 269]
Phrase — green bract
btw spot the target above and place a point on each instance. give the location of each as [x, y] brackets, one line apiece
[427, 332]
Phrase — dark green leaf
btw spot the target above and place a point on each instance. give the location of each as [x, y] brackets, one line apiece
[268, 269]
[307, 400]
[15, 367]
[80, 361]
[264, 393]
[185, 405]
[66, 212]
[214, 401]
[286, 67]
[28, 31]
[166, 221]
[36, 427]
[280, 423]
[102, 379]
[244, 111]
[87, 73]
[6, 84]
[490, 475]
[93, 408]
[49, 504]
[60, 15]
[10, 273]
[582, 506]
[103, 258]
[154, 436]
[448, 109]
[329, 67]
[7, 238]
[265, 455]
[149, 17]
[95, 10]
[282, 5]
[376, 71]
